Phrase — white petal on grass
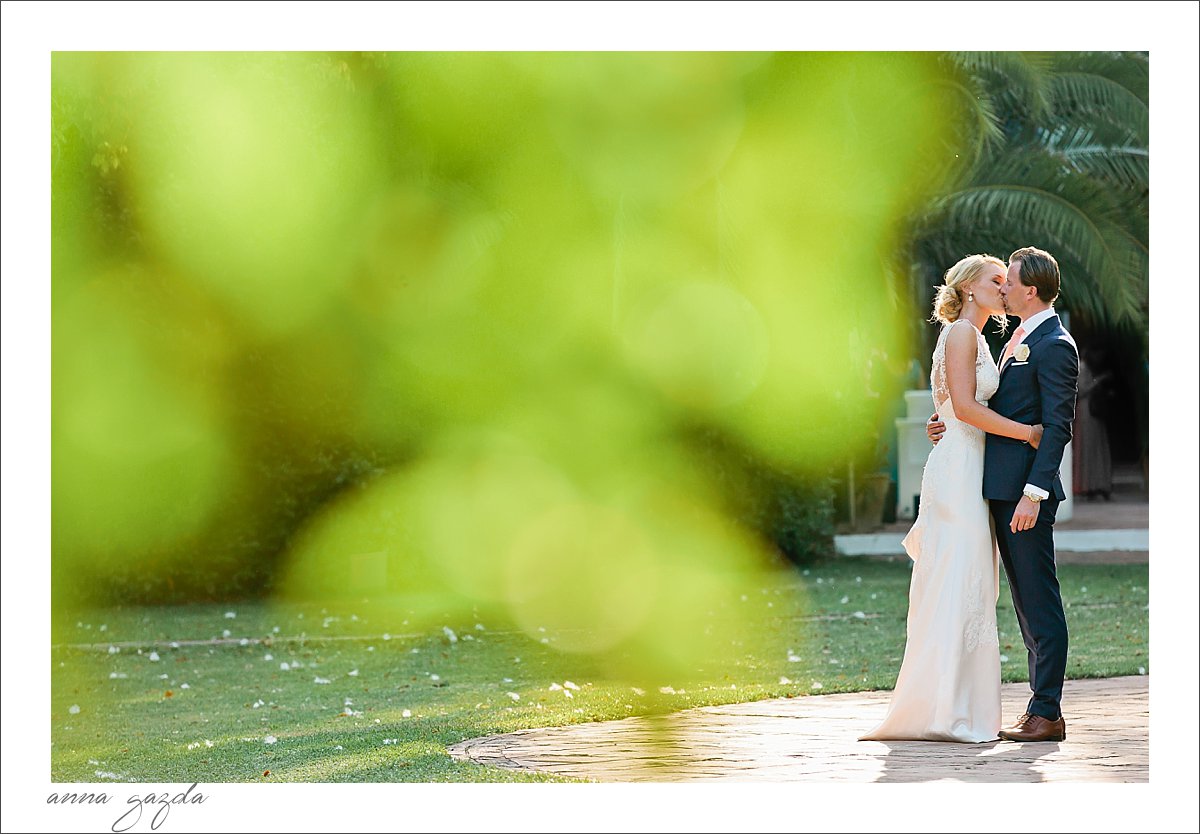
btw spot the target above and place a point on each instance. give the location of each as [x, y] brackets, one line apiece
[435, 677]
[450, 635]
[226, 633]
[184, 686]
[320, 679]
[353, 673]
[1004, 658]
[230, 615]
[785, 680]
[73, 709]
[117, 676]
[859, 615]
[284, 667]
[567, 692]
[114, 649]
[259, 703]
[154, 657]
[637, 691]
[479, 627]
[163, 677]
[554, 687]
[667, 690]
[268, 657]
[845, 600]
[244, 642]
[406, 714]
[817, 685]
[270, 740]
[570, 685]
[1141, 670]
[513, 695]
[506, 680]
[387, 637]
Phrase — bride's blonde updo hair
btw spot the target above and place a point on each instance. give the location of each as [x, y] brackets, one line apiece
[948, 303]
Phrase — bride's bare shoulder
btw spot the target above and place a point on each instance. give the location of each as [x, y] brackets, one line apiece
[962, 338]
[962, 331]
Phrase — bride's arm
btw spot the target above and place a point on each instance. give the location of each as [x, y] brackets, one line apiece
[962, 347]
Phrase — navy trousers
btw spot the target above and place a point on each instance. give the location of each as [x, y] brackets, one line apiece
[1028, 558]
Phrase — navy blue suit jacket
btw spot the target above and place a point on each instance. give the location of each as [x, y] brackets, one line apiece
[1040, 390]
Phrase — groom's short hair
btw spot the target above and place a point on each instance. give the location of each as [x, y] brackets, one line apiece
[1039, 270]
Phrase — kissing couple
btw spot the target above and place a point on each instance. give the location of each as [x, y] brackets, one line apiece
[989, 493]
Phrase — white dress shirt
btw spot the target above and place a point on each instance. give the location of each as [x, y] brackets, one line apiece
[1029, 325]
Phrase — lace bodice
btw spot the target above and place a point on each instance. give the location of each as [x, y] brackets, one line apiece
[987, 375]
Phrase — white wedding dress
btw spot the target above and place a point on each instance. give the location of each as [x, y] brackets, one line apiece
[949, 683]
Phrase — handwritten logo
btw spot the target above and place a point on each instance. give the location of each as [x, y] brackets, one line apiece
[137, 805]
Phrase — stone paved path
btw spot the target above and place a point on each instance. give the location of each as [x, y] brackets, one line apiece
[813, 739]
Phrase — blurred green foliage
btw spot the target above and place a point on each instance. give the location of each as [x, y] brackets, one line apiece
[538, 333]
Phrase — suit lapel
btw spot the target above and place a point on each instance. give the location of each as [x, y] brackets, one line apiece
[1040, 332]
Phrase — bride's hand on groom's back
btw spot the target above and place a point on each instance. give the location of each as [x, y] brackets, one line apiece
[1035, 437]
[935, 428]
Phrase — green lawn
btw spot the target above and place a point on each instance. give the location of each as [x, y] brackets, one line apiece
[352, 706]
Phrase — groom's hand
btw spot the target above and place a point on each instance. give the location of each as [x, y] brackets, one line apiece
[935, 428]
[1025, 515]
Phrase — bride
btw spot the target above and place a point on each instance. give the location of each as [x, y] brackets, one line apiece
[949, 683]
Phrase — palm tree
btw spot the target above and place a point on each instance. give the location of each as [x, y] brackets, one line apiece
[1052, 150]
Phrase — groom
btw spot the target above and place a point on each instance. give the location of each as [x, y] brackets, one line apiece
[1039, 372]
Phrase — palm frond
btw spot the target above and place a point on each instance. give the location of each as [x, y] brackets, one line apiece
[1071, 174]
[1126, 166]
[1110, 267]
[1074, 94]
[1129, 69]
[1016, 78]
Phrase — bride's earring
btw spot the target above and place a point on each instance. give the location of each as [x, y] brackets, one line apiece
[970, 296]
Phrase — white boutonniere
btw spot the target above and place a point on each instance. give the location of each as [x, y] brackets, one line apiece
[1021, 354]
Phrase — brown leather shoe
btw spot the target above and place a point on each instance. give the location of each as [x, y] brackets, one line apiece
[1035, 728]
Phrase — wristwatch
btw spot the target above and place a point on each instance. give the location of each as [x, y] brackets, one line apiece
[1032, 496]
